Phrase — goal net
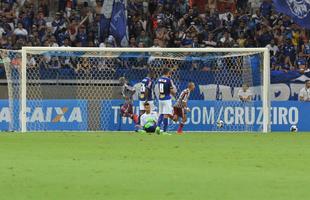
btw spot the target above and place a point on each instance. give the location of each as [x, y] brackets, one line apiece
[74, 89]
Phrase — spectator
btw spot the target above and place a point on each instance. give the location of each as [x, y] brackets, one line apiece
[289, 52]
[54, 63]
[141, 45]
[245, 94]
[31, 62]
[144, 39]
[160, 24]
[279, 37]
[265, 36]
[210, 42]
[66, 43]
[301, 63]
[52, 42]
[227, 20]
[110, 41]
[273, 48]
[7, 27]
[82, 36]
[241, 5]
[266, 8]
[2, 31]
[296, 37]
[20, 31]
[195, 43]
[6, 42]
[306, 49]
[58, 24]
[102, 44]
[241, 41]
[304, 94]
[132, 42]
[26, 20]
[226, 40]
[254, 4]
[156, 43]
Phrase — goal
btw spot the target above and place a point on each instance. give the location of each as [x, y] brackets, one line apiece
[77, 89]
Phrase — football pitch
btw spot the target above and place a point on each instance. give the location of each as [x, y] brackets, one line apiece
[130, 166]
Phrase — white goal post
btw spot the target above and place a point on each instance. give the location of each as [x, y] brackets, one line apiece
[265, 74]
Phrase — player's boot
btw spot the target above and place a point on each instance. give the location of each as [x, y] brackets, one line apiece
[142, 131]
[180, 129]
[165, 133]
[157, 130]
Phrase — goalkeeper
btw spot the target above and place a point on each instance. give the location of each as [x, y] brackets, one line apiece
[149, 120]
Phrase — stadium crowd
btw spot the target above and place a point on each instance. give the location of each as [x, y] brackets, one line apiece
[159, 23]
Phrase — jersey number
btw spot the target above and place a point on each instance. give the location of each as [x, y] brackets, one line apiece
[161, 88]
[142, 88]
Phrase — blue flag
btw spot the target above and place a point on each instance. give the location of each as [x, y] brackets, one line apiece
[118, 24]
[105, 19]
[299, 10]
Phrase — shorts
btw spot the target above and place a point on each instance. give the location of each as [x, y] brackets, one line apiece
[178, 111]
[141, 105]
[165, 107]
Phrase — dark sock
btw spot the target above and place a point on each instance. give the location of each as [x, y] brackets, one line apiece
[165, 124]
[160, 120]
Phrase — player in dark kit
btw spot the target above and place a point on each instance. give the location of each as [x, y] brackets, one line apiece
[166, 90]
[180, 107]
[127, 107]
[146, 92]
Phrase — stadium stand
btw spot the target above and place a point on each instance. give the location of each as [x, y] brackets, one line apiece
[158, 23]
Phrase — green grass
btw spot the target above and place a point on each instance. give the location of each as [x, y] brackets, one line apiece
[109, 166]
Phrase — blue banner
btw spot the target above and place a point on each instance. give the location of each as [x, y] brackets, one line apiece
[236, 116]
[60, 115]
[47, 115]
[118, 25]
[299, 10]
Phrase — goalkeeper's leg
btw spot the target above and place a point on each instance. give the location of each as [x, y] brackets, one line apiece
[151, 128]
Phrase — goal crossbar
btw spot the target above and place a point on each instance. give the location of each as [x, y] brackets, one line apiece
[177, 50]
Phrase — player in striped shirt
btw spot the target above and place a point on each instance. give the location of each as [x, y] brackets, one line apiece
[127, 107]
[180, 107]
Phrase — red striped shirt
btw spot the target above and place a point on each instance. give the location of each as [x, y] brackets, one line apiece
[183, 98]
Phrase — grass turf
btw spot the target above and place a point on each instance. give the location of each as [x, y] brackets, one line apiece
[125, 166]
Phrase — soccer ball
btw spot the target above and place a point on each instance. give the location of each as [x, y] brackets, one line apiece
[294, 128]
[220, 124]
